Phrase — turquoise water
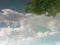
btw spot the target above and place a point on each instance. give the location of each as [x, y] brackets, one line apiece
[40, 29]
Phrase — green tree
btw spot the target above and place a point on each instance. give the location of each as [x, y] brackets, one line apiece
[43, 6]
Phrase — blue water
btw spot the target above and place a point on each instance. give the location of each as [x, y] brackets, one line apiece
[18, 5]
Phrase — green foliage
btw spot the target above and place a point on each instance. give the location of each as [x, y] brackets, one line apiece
[43, 6]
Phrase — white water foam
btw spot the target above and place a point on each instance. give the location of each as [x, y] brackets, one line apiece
[25, 33]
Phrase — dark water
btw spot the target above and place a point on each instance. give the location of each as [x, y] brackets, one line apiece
[18, 5]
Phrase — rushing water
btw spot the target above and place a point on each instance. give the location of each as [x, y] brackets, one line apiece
[26, 29]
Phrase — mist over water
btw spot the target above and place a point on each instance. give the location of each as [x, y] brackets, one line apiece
[22, 29]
